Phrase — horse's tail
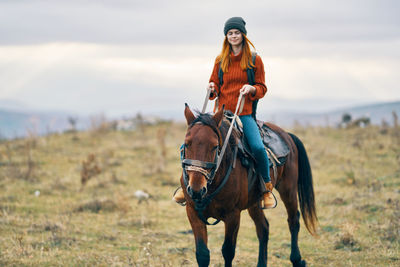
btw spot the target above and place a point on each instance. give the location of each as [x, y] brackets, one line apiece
[305, 188]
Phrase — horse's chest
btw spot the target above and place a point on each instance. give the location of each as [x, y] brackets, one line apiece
[220, 211]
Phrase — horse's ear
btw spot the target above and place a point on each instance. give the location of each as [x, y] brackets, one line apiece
[219, 115]
[189, 115]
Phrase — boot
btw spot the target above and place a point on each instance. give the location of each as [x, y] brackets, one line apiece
[179, 197]
[268, 198]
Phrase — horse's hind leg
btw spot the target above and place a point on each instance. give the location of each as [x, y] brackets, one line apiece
[232, 223]
[289, 198]
[262, 228]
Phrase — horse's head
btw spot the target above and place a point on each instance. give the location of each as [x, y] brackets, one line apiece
[200, 151]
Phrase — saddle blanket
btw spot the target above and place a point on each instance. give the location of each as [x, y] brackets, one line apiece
[273, 141]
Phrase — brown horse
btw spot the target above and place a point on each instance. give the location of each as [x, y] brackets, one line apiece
[224, 194]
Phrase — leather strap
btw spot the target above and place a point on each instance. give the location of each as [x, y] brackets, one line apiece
[199, 163]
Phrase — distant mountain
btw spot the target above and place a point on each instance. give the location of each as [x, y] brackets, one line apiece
[376, 112]
[14, 124]
[11, 104]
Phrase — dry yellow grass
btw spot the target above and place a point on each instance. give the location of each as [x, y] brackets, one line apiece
[48, 219]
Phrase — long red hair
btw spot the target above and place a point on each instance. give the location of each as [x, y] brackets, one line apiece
[225, 56]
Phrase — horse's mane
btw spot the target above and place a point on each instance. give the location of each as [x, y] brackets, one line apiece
[207, 119]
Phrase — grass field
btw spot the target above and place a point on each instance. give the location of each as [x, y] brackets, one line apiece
[50, 217]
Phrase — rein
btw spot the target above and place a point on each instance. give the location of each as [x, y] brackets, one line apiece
[202, 166]
[239, 107]
[230, 130]
[206, 100]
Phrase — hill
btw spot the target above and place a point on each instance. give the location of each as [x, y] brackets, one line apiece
[20, 123]
[377, 113]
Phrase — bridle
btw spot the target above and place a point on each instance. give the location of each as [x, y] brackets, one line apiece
[203, 166]
[208, 169]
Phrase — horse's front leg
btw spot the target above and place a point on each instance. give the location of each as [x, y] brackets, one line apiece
[200, 237]
[232, 222]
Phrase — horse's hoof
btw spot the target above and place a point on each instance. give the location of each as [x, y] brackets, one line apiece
[300, 263]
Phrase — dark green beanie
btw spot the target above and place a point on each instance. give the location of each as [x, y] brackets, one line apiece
[235, 23]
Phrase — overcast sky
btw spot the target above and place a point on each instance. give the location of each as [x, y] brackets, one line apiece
[121, 57]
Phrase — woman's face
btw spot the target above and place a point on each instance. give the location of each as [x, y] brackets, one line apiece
[235, 37]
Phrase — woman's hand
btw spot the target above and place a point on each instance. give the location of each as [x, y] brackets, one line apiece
[211, 87]
[247, 88]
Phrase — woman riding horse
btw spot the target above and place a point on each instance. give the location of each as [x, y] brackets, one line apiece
[223, 193]
[234, 61]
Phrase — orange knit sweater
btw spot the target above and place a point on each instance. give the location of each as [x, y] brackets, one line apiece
[234, 79]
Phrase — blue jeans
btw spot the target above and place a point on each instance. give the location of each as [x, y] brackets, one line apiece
[253, 138]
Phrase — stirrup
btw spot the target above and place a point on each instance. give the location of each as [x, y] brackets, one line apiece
[263, 206]
[180, 203]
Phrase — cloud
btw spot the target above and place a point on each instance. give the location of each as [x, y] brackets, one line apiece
[191, 22]
[94, 78]
[130, 78]
[126, 56]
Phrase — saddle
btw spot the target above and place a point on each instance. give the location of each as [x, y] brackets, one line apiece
[276, 148]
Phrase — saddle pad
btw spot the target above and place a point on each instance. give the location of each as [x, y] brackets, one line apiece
[273, 141]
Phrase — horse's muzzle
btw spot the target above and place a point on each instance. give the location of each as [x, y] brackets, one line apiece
[196, 195]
